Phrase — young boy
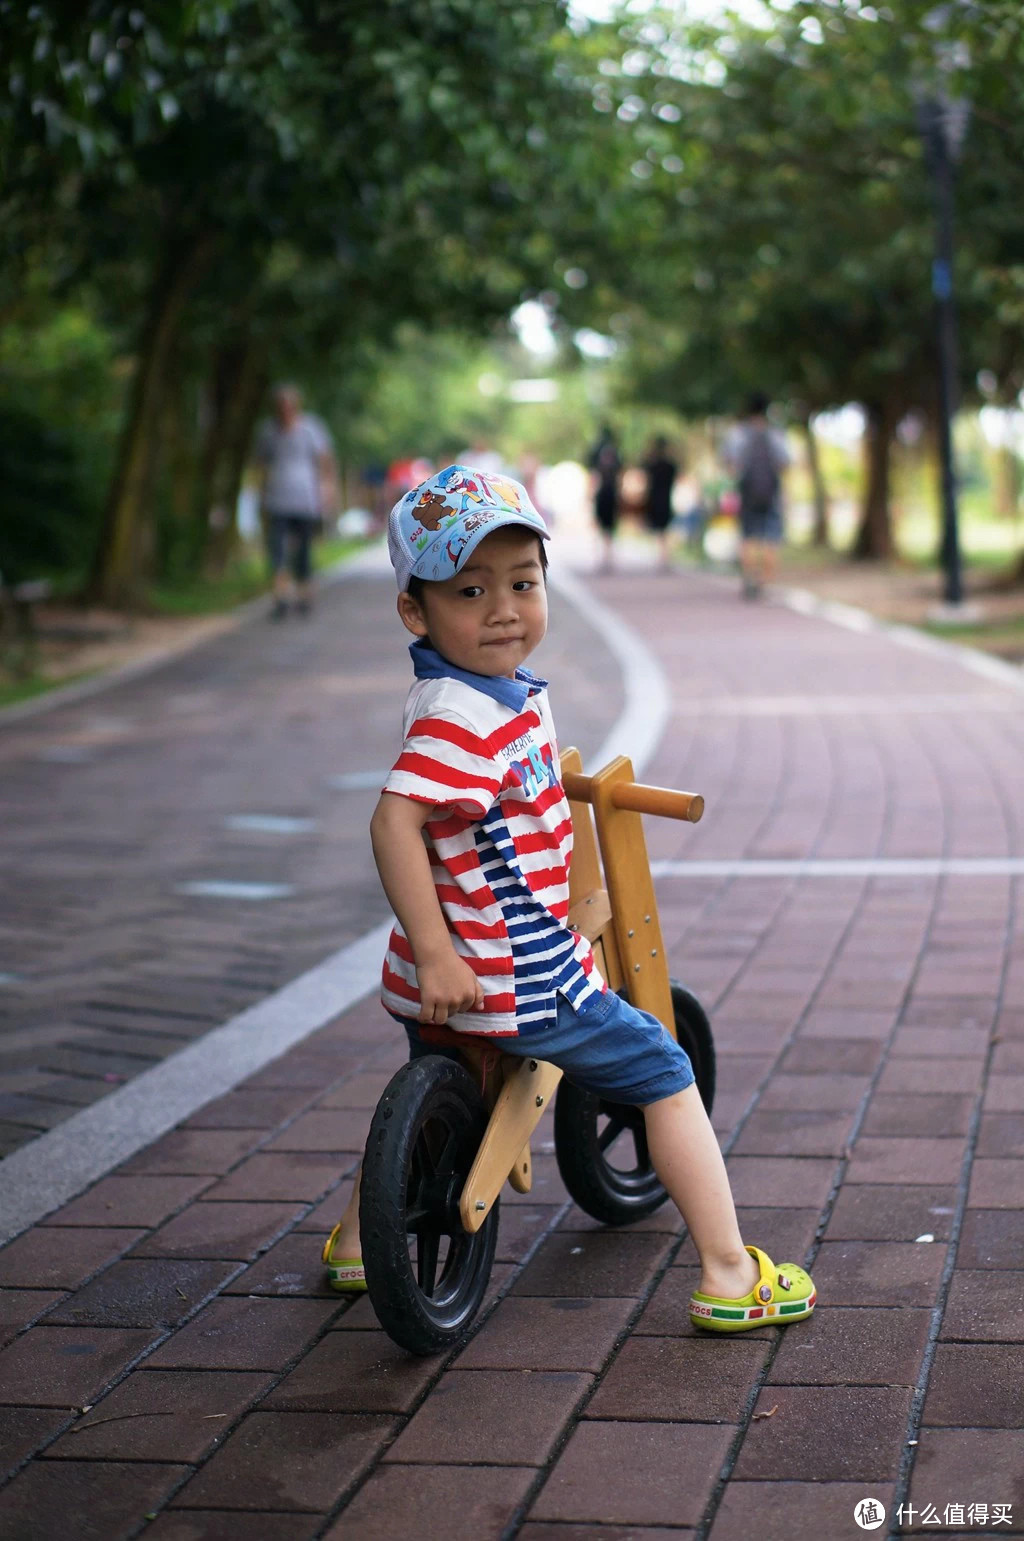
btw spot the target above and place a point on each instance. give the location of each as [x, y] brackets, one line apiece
[472, 839]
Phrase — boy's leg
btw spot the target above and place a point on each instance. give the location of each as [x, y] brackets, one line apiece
[342, 1253]
[347, 1234]
[610, 1048]
[685, 1154]
[617, 1052]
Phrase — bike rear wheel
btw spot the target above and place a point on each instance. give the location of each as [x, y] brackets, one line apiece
[601, 1146]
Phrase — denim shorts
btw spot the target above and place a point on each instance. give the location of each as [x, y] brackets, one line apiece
[608, 1047]
[761, 524]
[290, 538]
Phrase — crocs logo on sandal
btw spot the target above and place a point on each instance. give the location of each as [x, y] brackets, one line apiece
[765, 1292]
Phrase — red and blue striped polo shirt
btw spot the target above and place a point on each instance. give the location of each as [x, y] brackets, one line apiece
[482, 751]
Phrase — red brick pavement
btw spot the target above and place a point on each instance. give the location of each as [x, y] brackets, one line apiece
[110, 804]
[176, 1369]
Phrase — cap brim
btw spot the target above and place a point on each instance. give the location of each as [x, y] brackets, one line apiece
[438, 561]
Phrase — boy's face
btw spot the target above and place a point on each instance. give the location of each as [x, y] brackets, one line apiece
[488, 618]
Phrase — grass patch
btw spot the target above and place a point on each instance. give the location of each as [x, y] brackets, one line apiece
[328, 552]
[1003, 636]
[208, 596]
[12, 692]
[245, 579]
[978, 557]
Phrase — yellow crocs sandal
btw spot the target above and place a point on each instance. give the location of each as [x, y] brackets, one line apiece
[345, 1274]
[784, 1293]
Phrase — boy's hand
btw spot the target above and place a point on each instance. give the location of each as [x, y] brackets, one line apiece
[447, 984]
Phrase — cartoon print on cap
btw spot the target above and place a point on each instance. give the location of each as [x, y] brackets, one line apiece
[505, 489]
[454, 551]
[434, 526]
[430, 510]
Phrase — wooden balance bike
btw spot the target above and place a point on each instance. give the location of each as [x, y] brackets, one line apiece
[447, 1135]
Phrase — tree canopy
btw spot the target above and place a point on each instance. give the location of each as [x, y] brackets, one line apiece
[263, 179]
[772, 221]
[196, 196]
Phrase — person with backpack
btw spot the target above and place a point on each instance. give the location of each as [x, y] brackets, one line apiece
[756, 455]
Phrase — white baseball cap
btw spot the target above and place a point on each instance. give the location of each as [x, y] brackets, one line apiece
[433, 529]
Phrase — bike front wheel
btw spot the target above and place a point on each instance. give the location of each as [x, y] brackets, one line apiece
[426, 1276]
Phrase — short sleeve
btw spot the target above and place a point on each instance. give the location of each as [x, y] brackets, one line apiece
[319, 436]
[445, 763]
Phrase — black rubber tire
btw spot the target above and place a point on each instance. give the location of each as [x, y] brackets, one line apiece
[422, 1142]
[587, 1127]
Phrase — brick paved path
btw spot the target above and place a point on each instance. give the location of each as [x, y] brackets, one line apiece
[871, 1041]
[110, 806]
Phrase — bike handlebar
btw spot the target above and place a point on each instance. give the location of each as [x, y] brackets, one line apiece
[635, 796]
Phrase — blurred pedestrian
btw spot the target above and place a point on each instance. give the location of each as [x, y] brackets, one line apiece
[529, 471]
[298, 491]
[403, 474]
[661, 471]
[605, 462]
[756, 455]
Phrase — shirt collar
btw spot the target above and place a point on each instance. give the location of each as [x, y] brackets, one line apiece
[428, 664]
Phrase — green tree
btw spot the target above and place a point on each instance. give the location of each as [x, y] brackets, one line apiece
[266, 178]
[773, 215]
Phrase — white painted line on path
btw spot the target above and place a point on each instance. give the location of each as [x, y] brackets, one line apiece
[851, 867]
[269, 824]
[45, 1174]
[844, 705]
[216, 888]
[358, 781]
[853, 619]
[65, 754]
[42, 1176]
[641, 725]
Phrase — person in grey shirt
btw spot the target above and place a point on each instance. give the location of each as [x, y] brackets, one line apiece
[757, 456]
[299, 481]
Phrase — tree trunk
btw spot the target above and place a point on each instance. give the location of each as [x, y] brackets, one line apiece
[819, 536]
[175, 473]
[874, 540]
[237, 385]
[116, 575]
[1007, 489]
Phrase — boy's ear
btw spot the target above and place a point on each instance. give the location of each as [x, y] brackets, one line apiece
[412, 615]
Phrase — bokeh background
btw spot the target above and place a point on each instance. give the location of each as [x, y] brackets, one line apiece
[469, 223]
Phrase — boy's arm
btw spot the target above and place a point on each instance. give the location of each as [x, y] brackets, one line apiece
[446, 982]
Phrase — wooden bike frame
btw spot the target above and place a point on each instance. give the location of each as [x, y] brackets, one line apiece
[612, 904]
